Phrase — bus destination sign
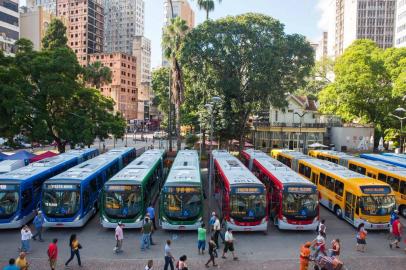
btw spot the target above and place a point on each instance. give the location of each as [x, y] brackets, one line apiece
[300, 189]
[248, 190]
[120, 187]
[8, 187]
[60, 186]
[182, 189]
[375, 189]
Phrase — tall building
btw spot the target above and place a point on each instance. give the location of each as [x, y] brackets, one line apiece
[123, 20]
[85, 22]
[400, 29]
[47, 5]
[123, 88]
[142, 51]
[322, 48]
[363, 19]
[34, 23]
[9, 26]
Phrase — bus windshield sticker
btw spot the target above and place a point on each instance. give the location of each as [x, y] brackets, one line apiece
[375, 189]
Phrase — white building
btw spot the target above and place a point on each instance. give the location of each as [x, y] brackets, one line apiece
[400, 29]
[123, 21]
[48, 5]
[9, 26]
[322, 47]
[362, 19]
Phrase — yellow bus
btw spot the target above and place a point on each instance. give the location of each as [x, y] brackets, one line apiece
[393, 175]
[352, 196]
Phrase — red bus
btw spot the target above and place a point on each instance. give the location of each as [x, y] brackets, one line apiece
[294, 201]
[242, 197]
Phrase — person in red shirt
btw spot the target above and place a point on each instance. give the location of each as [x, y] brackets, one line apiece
[397, 232]
[53, 253]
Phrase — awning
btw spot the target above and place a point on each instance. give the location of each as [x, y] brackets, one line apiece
[46, 154]
[21, 155]
[317, 145]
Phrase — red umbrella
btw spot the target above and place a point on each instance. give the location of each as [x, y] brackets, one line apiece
[46, 154]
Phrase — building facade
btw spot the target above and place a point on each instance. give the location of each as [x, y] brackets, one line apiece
[124, 20]
[34, 23]
[47, 5]
[322, 48]
[400, 29]
[85, 26]
[9, 26]
[363, 19]
[123, 88]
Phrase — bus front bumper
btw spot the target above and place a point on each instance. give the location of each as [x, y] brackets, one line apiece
[261, 227]
[181, 227]
[112, 225]
[17, 223]
[372, 226]
[77, 222]
[282, 225]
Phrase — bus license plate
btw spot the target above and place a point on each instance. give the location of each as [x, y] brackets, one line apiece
[181, 227]
[59, 224]
[299, 227]
[381, 226]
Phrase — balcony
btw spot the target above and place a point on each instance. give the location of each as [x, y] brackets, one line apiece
[290, 127]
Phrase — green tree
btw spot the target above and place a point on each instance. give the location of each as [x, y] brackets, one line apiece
[96, 74]
[207, 5]
[172, 40]
[249, 62]
[55, 36]
[395, 64]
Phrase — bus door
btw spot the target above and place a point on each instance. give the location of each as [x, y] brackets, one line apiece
[349, 210]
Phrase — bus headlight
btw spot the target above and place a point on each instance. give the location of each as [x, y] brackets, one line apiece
[284, 219]
[164, 219]
[232, 220]
[77, 218]
[316, 219]
[199, 220]
[263, 221]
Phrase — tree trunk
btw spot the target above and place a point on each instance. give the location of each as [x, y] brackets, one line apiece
[60, 145]
[207, 14]
[178, 136]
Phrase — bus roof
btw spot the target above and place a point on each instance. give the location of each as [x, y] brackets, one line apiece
[185, 169]
[337, 154]
[235, 172]
[82, 171]
[294, 154]
[395, 155]
[138, 169]
[397, 161]
[41, 166]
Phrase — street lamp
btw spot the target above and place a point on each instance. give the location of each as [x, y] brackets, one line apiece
[210, 106]
[400, 110]
[300, 127]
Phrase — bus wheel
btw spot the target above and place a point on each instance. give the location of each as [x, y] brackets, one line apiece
[338, 212]
[402, 210]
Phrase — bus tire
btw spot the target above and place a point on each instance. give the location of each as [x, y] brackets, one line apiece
[402, 210]
[338, 212]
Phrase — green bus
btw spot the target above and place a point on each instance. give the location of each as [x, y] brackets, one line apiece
[181, 199]
[127, 195]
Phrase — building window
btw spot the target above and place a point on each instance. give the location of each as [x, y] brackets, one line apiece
[276, 116]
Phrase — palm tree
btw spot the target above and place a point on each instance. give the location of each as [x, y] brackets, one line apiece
[207, 5]
[171, 42]
[96, 74]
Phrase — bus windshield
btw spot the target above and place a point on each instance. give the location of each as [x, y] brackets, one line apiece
[182, 203]
[8, 200]
[377, 205]
[61, 203]
[247, 207]
[299, 205]
[123, 201]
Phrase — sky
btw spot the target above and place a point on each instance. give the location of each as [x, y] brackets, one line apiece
[306, 17]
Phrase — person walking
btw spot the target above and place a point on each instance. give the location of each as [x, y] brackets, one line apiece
[38, 225]
[335, 248]
[53, 253]
[229, 244]
[217, 230]
[361, 238]
[305, 256]
[393, 216]
[182, 265]
[320, 245]
[146, 234]
[201, 239]
[149, 265]
[151, 212]
[396, 232]
[26, 235]
[74, 249]
[321, 229]
[168, 256]
[212, 252]
[21, 261]
[11, 265]
[212, 220]
[119, 235]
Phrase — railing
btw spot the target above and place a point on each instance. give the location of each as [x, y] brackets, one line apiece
[294, 125]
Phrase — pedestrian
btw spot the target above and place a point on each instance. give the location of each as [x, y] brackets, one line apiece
[322, 228]
[53, 253]
[21, 261]
[168, 256]
[38, 225]
[119, 235]
[396, 232]
[201, 239]
[11, 265]
[151, 213]
[305, 256]
[335, 248]
[212, 251]
[182, 265]
[149, 265]
[146, 234]
[320, 245]
[212, 220]
[74, 249]
[217, 230]
[361, 238]
[229, 244]
[26, 235]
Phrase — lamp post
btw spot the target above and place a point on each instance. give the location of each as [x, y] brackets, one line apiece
[400, 110]
[255, 122]
[210, 106]
[300, 127]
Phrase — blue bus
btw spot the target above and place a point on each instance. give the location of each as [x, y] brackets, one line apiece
[20, 190]
[70, 199]
[397, 161]
[395, 155]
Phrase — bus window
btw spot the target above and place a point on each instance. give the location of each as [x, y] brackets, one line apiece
[27, 198]
[314, 178]
[339, 188]
[322, 180]
[301, 169]
[86, 199]
[382, 177]
[402, 189]
[361, 170]
[352, 167]
[394, 183]
[349, 205]
[334, 160]
[37, 187]
[330, 183]
[93, 185]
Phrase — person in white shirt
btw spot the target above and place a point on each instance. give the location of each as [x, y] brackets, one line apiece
[149, 265]
[216, 229]
[119, 235]
[229, 244]
[26, 236]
